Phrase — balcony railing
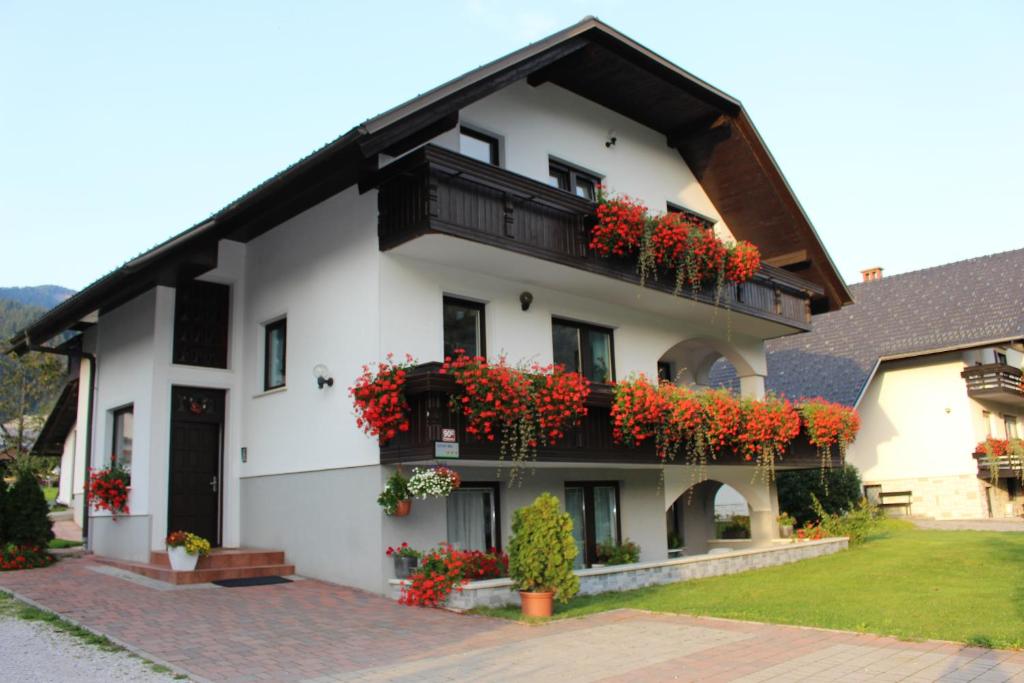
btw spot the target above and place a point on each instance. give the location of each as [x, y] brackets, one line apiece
[1005, 465]
[995, 382]
[437, 191]
[428, 393]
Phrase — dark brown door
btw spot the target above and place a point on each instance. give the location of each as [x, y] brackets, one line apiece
[197, 425]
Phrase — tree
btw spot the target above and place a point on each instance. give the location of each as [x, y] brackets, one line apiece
[26, 512]
[28, 386]
[839, 492]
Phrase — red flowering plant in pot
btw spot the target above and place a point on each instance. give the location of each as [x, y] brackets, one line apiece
[621, 225]
[768, 427]
[108, 489]
[829, 425]
[522, 409]
[446, 569]
[379, 398]
[1011, 451]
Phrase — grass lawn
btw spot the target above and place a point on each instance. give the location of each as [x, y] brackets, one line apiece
[50, 492]
[965, 586]
[58, 543]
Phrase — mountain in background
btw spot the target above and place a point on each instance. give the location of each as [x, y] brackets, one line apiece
[42, 296]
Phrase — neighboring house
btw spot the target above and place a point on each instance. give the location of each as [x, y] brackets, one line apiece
[59, 437]
[932, 360]
[421, 229]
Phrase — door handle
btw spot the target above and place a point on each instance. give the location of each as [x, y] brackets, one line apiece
[213, 484]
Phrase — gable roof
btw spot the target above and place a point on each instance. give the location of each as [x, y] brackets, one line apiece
[710, 129]
[957, 305]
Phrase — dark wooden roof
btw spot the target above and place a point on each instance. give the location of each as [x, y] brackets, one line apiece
[709, 128]
[59, 423]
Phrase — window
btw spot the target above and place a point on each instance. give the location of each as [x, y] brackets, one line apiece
[473, 522]
[1000, 358]
[274, 350]
[464, 327]
[570, 179]
[1010, 424]
[201, 324]
[665, 373]
[121, 442]
[699, 217]
[594, 508]
[586, 349]
[478, 146]
[986, 417]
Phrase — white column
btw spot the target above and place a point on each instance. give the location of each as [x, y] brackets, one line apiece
[752, 386]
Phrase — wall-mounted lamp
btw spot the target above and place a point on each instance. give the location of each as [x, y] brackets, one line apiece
[526, 299]
[323, 377]
[610, 142]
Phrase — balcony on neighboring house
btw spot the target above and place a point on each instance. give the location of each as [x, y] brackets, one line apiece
[435, 191]
[996, 382]
[428, 392]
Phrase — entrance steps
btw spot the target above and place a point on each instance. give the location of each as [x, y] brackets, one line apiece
[220, 564]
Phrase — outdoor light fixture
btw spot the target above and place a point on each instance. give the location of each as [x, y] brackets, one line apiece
[610, 142]
[321, 373]
[526, 299]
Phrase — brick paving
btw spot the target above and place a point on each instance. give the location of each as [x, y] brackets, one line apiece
[313, 631]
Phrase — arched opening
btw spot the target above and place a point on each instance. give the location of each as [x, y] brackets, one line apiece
[708, 517]
[703, 362]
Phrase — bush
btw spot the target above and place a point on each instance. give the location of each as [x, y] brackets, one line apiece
[3, 504]
[542, 550]
[735, 527]
[855, 524]
[840, 492]
[627, 553]
[14, 557]
[26, 513]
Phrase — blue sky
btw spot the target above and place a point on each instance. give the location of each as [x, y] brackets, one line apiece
[899, 125]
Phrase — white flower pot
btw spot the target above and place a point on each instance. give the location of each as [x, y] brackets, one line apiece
[182, 561]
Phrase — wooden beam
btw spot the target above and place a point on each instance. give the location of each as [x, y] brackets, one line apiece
[792, 258]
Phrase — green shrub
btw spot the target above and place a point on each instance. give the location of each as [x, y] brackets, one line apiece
[626, 553]
[3, 511]
[839, 492]
[855, 524]
[26, 513]
[735, 527]
[542, 550]
[395, 491]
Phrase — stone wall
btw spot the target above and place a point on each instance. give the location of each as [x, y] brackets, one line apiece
[498, 592]
[954, 497]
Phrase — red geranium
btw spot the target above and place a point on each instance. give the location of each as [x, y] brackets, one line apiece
[445, 569]
[829, 424]
[769, 426]
[742, 263]
[108, 489]
[14, 557]
[379, 399]
[621, 222]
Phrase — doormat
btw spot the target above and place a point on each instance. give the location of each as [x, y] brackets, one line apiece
[254, 581]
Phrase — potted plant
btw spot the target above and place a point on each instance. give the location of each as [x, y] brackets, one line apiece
[395, 496]
[540, 554]
[184, 549]
[406, 558]
[786, 524]
[437, 482]
[610, 554]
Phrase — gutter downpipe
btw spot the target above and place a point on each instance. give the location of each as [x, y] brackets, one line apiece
[88, 446]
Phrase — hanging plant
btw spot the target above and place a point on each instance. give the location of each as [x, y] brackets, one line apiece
[829, 424]
[768, 428]
[437, 482]
[995, 449]
[743, 262]
[523, 409]
[108, 489]
[621, 223]
[379, 399]
[638, 408]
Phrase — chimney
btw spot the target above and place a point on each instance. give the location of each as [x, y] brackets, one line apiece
[871, 274]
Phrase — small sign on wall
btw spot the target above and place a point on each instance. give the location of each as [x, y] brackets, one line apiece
[446, 451]
[448, 435]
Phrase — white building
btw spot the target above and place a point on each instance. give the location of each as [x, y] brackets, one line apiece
[932, 360]
[446, 208]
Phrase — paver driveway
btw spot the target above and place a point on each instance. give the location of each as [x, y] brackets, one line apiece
[308, 630]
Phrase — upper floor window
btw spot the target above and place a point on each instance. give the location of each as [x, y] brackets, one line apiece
[121, 442]
[1000, 358]
[201, 324]
[574, 180]
[464, 327]
[582, 348]
[1010, 424]
[479, 146]
[274, 354]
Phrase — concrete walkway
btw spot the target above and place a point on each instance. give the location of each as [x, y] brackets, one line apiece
[313, 631]
[1011, 524]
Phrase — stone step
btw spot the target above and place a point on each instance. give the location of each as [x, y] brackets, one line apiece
[223, 558]
[168, 575]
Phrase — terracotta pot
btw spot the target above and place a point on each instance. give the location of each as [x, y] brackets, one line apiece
[180, 560]
[536, 604]
[403, 507]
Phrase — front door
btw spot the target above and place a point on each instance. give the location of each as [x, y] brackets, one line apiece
[197, 426]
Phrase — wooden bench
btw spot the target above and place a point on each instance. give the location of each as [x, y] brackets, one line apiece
[896, 500]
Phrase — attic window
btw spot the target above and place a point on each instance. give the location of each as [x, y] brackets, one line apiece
[479, 146]
[572, 179]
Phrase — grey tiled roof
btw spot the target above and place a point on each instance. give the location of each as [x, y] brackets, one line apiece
[954, 305]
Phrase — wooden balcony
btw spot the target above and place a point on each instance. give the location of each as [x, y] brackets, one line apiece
[437, 191]
[1006, 465]
[995, 382]
[428, 392]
